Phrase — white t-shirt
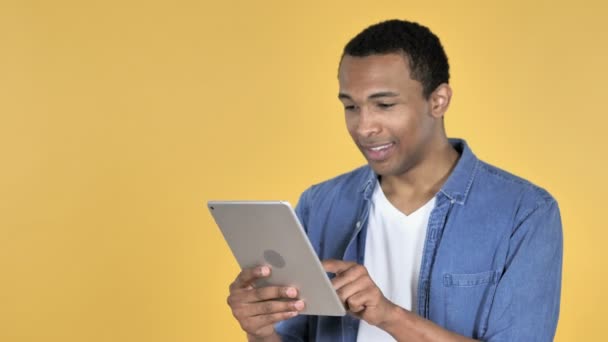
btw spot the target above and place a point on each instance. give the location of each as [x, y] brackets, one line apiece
[393, 253]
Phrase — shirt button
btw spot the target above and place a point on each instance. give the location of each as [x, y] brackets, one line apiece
[358, 224]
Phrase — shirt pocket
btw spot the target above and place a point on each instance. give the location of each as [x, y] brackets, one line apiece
[468, 300]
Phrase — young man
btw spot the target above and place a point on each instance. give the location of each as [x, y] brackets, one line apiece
[428, 243]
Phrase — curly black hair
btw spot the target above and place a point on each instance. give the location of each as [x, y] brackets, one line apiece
[427, 60]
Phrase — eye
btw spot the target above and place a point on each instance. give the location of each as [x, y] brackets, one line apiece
[349, 107]
[385, 105]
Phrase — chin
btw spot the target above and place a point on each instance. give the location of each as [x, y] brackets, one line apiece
[386, 169]
[381, 169]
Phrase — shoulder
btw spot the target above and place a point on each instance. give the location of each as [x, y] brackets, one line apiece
[339, 193]
[494, 182]
[343, 189]
[347, 183]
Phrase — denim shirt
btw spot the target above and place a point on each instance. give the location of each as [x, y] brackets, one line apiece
[491, 265]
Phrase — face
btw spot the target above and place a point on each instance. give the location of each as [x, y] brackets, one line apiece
[386, 113]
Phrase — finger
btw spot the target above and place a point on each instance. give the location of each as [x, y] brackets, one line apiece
[368, 297]
[264, 320]
[360, 301]
[263, 294]
[248, 276]
[352, 288]
[349, 275]
[274, 306]
[336, 266]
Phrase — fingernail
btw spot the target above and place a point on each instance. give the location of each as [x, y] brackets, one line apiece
[291, 292]
[299, 305]
[264, 271]
[293, 313]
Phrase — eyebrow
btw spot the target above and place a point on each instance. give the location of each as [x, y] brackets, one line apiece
[372, 96]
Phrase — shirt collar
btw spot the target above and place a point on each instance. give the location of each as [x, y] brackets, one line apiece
[457, 187]
[458, 184]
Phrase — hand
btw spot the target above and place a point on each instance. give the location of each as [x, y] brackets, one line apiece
[258, 309]
[362, 298]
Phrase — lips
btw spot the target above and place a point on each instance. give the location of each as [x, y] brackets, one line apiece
[378, 152]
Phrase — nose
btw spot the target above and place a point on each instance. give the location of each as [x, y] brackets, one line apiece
[367, 124]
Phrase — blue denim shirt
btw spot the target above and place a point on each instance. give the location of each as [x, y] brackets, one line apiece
[491, 265]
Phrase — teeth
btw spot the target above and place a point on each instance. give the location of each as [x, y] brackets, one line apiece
[378, 148]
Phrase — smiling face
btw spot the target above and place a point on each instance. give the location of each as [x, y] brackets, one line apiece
[389, 119]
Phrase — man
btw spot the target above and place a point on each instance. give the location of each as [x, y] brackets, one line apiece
[427, 242]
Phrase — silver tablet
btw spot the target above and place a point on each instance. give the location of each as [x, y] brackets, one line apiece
[269, 233]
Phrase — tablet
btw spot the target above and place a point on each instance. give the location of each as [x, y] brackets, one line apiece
[269, 233]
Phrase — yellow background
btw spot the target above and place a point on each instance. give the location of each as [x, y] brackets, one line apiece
[120, 119]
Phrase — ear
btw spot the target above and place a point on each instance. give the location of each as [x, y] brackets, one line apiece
[440, 100]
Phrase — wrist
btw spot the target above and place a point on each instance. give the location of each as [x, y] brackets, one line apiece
[395, 318]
